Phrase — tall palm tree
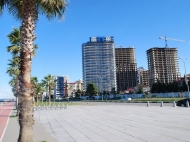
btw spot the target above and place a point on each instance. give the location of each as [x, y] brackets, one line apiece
[15, 49]
[49, 83]
[14, 63]
[13, 71]
[23, 48]
[27, 11]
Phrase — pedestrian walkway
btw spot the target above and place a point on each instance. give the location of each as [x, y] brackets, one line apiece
[117, 123]
[5, 111]
[12, 131]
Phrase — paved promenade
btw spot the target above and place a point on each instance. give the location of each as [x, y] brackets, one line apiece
[5, 110]
[117, 123]
[12, 131]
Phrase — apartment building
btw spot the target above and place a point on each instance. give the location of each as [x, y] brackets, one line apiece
[126, 68]
[144, 80]
[73, 87]
[98, 63]
[59, 89]
[163, 65]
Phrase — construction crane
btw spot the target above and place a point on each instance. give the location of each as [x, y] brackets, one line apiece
[166, 39]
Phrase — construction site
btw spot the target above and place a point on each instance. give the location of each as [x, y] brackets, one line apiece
[163, 65]
[126, 68]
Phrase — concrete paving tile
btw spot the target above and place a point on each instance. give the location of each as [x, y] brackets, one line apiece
[105, 123]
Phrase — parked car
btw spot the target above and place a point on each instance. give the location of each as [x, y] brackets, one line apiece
[126, 99]
[183, 102]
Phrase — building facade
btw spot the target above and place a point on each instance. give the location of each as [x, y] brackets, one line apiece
[163, 65]
[73, 87]
[126, 68]
[59, 89]
[98, 63]
[143, 76]
[144, 80]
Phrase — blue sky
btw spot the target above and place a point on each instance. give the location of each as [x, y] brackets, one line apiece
[136, 23]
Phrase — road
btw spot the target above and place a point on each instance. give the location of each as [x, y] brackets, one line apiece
[5, 111]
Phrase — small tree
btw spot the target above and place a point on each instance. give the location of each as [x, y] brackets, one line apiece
[113, 91]
[91, 89]
[78, 93]
[139, 89]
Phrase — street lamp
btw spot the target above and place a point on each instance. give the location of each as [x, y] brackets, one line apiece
[101, 86]
[185, 76]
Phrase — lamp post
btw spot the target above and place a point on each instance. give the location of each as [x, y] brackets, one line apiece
[101, 86]
[185, 76]
[101, 76]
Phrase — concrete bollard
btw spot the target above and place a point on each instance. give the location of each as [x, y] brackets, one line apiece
[174, 104]
[62, 106]
[148, 104]
[161, 105]
[187, 104]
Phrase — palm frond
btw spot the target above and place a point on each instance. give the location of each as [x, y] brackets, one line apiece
[14, 36]
[3, 4]
[12, 71]
[14, 7]
[15, 61]
[34, 80]
[15, 50]
[12, 82]
[51, 8]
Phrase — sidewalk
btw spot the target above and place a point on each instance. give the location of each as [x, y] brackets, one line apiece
[12, 131]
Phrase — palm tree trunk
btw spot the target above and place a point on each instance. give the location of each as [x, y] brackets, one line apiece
[26, 120]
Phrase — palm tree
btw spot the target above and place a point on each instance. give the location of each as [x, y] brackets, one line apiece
[15, 65]
[13, 69]
[49, 84]
[34, 82]
[38, 88]
[27, 11]
[14, 72]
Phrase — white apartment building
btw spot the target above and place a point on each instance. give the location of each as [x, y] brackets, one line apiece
[98, 63]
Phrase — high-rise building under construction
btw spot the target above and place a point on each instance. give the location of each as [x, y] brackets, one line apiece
[98, 62]
[163, 65]
[126, 68]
